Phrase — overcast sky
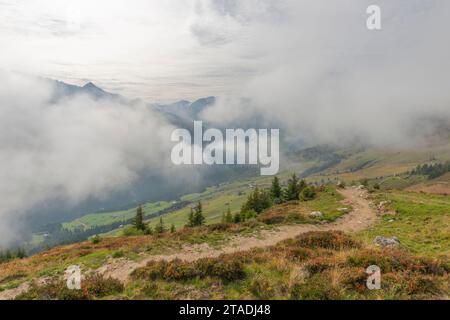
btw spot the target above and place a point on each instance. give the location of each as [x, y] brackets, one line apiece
[310, 66]
[164, 50]
[157, 50]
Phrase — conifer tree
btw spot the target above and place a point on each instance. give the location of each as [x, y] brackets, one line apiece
[190, 223]
[293, 189]
[199, 219]
[258, 201]
[275, 190]
[160, 227]
[139, 219]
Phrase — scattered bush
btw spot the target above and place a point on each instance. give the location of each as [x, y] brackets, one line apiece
[226, 269]
[132, 232]
[249, 214]
[318, 265]
[117, 254]
[220, 227]
[92, 287]
[334, 240]
[96, 239]
[308, 193]
[272, 219]
[297, 254]
[100, 287]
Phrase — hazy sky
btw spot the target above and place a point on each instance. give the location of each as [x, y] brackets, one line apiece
[163, 50]
[157, 50]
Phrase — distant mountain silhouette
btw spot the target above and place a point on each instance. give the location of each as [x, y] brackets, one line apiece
[181, 112]
[187, 110]
[63, 90]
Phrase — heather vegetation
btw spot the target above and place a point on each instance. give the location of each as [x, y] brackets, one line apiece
[94, 287]
[316, 265]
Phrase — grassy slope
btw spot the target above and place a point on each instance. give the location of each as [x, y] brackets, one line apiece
[373, 163]
[440, 185]
[421, 222]
[106, 218]
[328, 202]
[92, 256]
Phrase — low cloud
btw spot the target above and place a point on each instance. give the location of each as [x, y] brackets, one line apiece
[73, 150]
[326, 78]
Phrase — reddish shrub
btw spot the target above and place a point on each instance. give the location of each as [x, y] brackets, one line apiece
[334, 240]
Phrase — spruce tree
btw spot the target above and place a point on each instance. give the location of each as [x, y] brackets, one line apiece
[196, 217]
[199, 219]
[160, 228]
[258, 201]
[21, 253]
[191, 223]
[275, 190]
[8, 255]
[293, 189]
[139, 219]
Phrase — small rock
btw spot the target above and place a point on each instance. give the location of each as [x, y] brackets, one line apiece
[316, 214]
[342, 209]
[387, 242]
[382, 206]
